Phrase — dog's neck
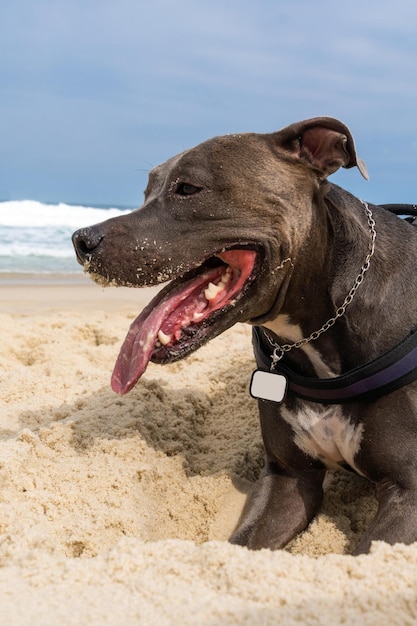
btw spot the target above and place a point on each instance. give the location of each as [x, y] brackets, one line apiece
[330, 263]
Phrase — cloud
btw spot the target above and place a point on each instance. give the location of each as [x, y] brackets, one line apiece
[93, 85]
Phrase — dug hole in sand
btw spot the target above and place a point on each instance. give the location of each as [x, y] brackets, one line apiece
[116, 510]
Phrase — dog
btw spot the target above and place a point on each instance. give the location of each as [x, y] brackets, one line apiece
[247, 228]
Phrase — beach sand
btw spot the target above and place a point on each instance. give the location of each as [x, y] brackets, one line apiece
[116, 510]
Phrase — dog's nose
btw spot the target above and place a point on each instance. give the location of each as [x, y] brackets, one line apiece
[85, 241]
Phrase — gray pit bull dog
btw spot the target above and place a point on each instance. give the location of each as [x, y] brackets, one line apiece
[247, 229]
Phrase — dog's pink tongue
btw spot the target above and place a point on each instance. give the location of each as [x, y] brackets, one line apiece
[175, 307]
[137, 348]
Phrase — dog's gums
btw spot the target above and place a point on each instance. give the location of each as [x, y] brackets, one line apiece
[176, 321]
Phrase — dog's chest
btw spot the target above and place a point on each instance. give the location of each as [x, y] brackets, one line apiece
[325, 434]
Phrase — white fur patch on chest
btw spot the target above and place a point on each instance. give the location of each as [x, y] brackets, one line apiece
[325, 434]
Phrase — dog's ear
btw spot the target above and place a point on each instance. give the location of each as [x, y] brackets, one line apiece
[325, 142]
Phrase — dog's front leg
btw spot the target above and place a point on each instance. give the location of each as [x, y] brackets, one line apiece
[280, 507]
[395, 520]
[387, 457]
[288, 493]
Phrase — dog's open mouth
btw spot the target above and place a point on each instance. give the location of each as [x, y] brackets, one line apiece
[181, 317]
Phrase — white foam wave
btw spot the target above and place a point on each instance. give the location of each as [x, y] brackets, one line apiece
[16, 250]
[36, 237]
[31, 213]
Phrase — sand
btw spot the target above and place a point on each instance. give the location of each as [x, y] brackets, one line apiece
[117, 510]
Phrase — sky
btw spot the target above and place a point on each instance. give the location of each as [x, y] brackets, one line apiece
[94, 93]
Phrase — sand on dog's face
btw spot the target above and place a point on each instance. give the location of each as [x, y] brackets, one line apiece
[112, 509]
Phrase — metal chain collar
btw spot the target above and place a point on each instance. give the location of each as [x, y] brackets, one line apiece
[279, 350]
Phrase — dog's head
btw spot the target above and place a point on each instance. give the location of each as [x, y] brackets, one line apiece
[223, 222]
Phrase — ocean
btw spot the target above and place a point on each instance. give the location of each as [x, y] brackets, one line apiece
[35, 238]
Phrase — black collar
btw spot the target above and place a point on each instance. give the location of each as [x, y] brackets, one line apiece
[389, 372]
[408, 212]
[392, 370]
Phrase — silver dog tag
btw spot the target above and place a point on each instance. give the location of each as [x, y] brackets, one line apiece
[268, 386]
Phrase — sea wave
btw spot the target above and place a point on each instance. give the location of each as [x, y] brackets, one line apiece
[36, 237]
[36, 214]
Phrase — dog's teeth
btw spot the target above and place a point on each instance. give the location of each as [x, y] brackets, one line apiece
[226, 276]
[163, 338]
[197, 316]
[212, 291]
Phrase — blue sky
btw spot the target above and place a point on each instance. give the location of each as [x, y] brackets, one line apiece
[93, 93]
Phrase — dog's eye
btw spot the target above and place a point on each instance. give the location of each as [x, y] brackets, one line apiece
[186, 189]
